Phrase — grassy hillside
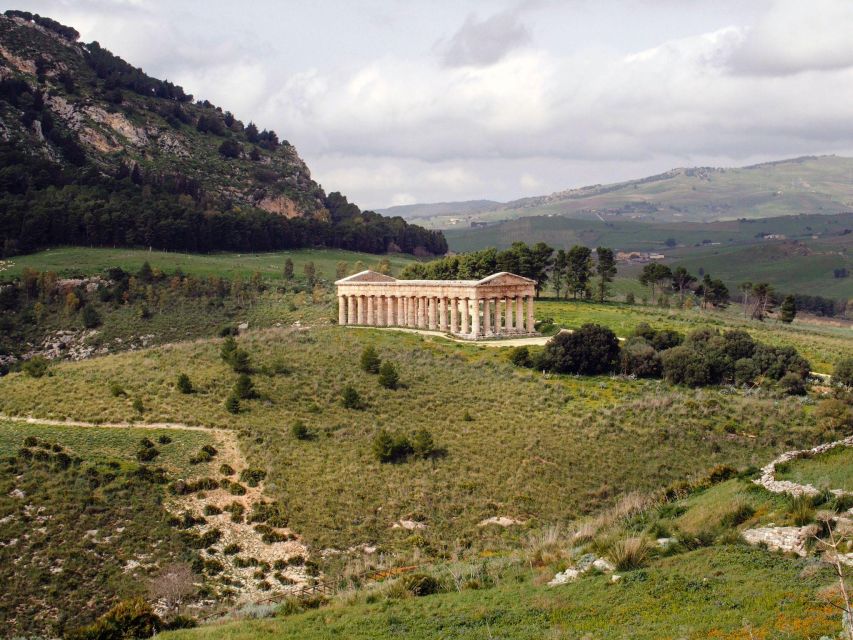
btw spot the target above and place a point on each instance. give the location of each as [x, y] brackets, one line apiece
[512, 442]
[725, 592]
[75, 261]
[789, 187]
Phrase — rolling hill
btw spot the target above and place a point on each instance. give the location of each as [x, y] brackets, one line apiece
[822, 184]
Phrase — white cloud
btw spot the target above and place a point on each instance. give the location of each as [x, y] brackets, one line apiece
[484, 42]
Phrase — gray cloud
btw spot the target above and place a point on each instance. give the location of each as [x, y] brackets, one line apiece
[483, 42]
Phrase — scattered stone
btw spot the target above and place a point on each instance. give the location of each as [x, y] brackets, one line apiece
[501, 521]
[17, 494]
[564, 577]
[409, 525]
[603, 565]
[242, 326]
[615, 578]
[665, 542]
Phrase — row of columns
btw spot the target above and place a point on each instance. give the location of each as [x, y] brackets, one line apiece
[466, 316]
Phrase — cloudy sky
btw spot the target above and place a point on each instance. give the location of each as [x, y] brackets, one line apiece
[401, 101]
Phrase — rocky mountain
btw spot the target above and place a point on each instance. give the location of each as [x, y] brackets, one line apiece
[102, 153]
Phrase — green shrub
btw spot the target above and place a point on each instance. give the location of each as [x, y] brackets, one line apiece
[232, 404]
[685, 365]
[637, 357]
[422, 444]
[792, 384]
[138, 406]
[388, 376]
[211, 510]
[843, 373]
[128, 619]
[351, 398]
[420, 584]
[591, 350]
[300, 431]
[146, 454]
[184, 384]
[388, 448]
[252, 477]
[226, 469]
[164, 439]
[91, 318]
[520, 357]
[244, 388]
[738, 514]
[370, 360]
[117, 390]
[746, 371]
[35, 367]
[231, 549]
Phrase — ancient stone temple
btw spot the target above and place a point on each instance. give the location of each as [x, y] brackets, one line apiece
[499, 305]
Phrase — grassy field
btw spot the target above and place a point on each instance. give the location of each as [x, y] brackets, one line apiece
[514, 443]
[830, 470]
[103, 444]
[726, 592]
[822, 344]
[72, 261]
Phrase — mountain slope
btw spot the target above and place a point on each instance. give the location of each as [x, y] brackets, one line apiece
[700, 194]
[94, 151]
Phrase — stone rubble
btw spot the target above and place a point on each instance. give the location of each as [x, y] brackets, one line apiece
[768, 473]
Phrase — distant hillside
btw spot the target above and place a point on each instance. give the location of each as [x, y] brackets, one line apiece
[93, 151]
[822, 185]
[466, 207]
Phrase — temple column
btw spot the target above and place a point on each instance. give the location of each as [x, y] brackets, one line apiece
[497, 328]
[531, 322]
[342, 310]
[487, 316]
[403, 320]
[362, 309]
[352, 316]
[413, 308]
[389, 311]
[508, 309]
[442, 314]
[371, 312]
[466, 312]
[475, 317]
[380, 311]
[431, 314]
[454, 315]
[519, 313]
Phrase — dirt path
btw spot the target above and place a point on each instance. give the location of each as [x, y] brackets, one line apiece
[502, 342]
[255, 567]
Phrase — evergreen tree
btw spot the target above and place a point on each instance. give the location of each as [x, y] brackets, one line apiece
[370, 360]
[654, 274]
[244, 388]
[388, 376]
[788, 309]
[606, 270]
[310, 272]
[579, 270]
[184, 384]
[288, 269]
[558, 272]
[232, 404]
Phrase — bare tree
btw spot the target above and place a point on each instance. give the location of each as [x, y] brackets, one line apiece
[832, 556]
[174, 585]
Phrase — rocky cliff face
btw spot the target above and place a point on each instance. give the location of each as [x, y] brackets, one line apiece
[56, 89]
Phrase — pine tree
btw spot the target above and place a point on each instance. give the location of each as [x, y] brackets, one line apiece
[606, 270]
[788, 309]
[288, 269]
[388, 376]
[370, 360]
[184, 384]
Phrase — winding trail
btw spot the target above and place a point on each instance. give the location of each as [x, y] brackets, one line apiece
[237, 532]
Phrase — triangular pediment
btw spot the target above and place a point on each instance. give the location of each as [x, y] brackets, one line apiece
[505, 278]
[366, 276]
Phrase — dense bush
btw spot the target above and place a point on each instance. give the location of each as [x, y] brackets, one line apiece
[683, 365]
[520, 357]
[420, 584]
[35, 367]
[184, 384]
[793, 384]
[590, 350]
[370, 361]
[640, 359]
[128, 619]
[388, 376]
[843, 373]
[659, 339]
[300, 431]
[351, 398]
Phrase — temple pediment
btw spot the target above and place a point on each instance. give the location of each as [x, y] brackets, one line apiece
[367, 276]
[503, 279]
